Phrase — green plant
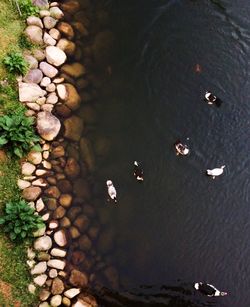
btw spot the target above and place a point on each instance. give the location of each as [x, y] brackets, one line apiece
[15, 63]
[27, 8]
[24, 43]
[17, 133]
[19, 220]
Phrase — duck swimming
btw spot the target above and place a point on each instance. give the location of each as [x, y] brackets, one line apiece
[216, 171]
[181, 149]
[138, 171]
[210, 98]
[208, 290]
[111, 190]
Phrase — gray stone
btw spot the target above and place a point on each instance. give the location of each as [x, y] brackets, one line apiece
[49, 70]
[43, 4]
[35, 21]
[39, 268]
[57, 252]
[35, 34]
[28, 168]
[43, 243]
[60, 238]
[56, 264]
[32, 61]
[72, 292]
[48, 126]
[56, 300]
[22, 184]
[49, 22]
[48, 40]
[29, 92]
[33, 76]
[56, 12]
[40, 279]
[55, 55]
[31, 193]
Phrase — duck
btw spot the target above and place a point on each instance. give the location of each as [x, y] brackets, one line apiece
[208, 290]
[138, 171]
[209, 97]
[181, 149]
[216, 171]
[111, 190]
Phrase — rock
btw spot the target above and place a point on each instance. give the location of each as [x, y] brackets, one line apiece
[103, 43]
[78, 279]
[30, 253]
[81, 189]
[58, 152]
[55, 55]
[46, 164]
[39, 55]
[29, 92]
[44, 295]
[35, 21]
[59, 212]
[40, 182]
[63, 111]
[44, 13]
[43, 4]
[49, 40]
[52, 191]
[65, 222]
[33, 76]
[40, 172]
[22, 184]
[35, 157]
[51, 88]
[48, 126]
[67, 46]
[85, 300]
[73, 128]
[45, 81]
[87, 153]
[60, 238]
[62, 91]
[80, 29]
[34, 34]
[85, 243]
[88, 114]
[47, 107]
[71, 7]
[45, 217]
[66, 29]
[72, 168]
[32, 288]
[57, 286]
[41, 100]
[73, 99]
[49, 22]
[32, 61]
[31, 193]
[65, 200]
[44, 304]
[43, 256]
[82, 83]
[53, 224]
[40, 279]
[66, 301]
[64, 186]
[55, 34]
[56, 300]
[74, 232]
[53, 273]
[73, 213]
[58, 80]
[56, 12]
[39, 268]
[72, 292]
[74, 70]
[52, 98]
[56, 264]
[33, 106]
[39, 205]
[57, 252]
[43, 243]
[49, 70]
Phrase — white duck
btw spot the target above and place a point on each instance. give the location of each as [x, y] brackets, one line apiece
[111, 190]
[216, 171]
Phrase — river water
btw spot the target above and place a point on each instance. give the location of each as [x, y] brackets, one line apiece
[179, 226]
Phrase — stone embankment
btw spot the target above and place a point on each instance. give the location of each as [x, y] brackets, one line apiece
[55, 180]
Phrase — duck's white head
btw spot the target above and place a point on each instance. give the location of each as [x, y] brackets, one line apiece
[223, 166]
[109, 183]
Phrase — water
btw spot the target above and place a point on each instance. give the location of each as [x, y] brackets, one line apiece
[179, 226]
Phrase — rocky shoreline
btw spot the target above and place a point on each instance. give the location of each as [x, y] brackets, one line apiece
[59, 91]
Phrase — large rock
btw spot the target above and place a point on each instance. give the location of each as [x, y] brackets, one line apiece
[35, 34]
[57, 286]
[60, 238]
[48, 126]
[57, 252]
[55, 55]
[49, 70]
[73, 128]
[71, 6]
[74, 70]
[28, 168]
[33, 76]
[68, 93]
[43, 243]
[67, 46]
[49, 40]
[35, 21]
[56, 12]
[49, 22]
[34, 157]
[87, 153]
[66, 29]
[57, 264]
[31, 193]
[42, 4]
[78, 279]
[85, 300]
[29, 92]
[72, 168]
[39, 268]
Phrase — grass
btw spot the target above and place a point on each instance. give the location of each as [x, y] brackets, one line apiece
[14, 273]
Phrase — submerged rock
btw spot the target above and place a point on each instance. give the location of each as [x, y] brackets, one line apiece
[78, 279]
[87, 153]
[73, 128]
[66, 29]
[74, 70]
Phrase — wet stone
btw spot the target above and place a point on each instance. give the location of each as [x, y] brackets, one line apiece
[59, 213]
[78, 279]
[51, 203]
[64, 186]
[52, 192]
[65, 222]
[84, 243]
[81, 222]
[65, 200]
[57, 286]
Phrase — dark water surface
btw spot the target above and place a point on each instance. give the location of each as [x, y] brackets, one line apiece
[179, 226]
